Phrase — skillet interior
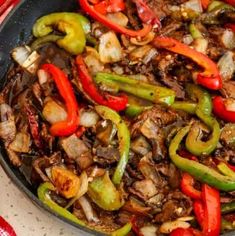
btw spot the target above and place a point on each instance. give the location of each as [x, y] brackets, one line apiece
[15, 31]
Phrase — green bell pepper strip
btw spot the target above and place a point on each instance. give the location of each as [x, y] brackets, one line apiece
[134, 110]
[123, 137]
[218, 5]
[199, 171]
[140, 89]
[228, 207]
[224, 169]
[195, 32]
[122, 231]
[45, 199]
[226, 225]
[40, 42]
[103, 192]
[74, 25]
[203, 111]
[188, 107]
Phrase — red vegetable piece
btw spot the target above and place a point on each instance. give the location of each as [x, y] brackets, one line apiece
[220, 110]
[69, 126]
[210, 77]
[199, 212]
[231, 2]
[106, 22]
[205, 3]
[89, 87]
[212, 211]
[182, 232]
[187, 188]
[5, 228]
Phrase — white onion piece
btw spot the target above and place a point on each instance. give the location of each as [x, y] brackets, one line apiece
[169, 226]
[143, 41]
[200, 45]
[20, 54]
[228, 39]
[88, 210]
[187, 39]
[230, 104]
[88, 118]
[110, 49]
[150, 55]
[82, 190]
[21, 143]
[118, 18]
[53, 112]
[194, 5]
[43, 76]
[226, 65]
[149, 230]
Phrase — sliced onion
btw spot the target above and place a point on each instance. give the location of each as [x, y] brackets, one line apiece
[27, 59]
[53, 112]
[226, 65]
[230, 104]
[150, 55]
[200, 45]
[110, 49]
[118, 18]
[82, 190]
[88, 210]
[20, 54]
[43, 76]
[88, 118]
[169, 226]
[194, 5]
[137, 54]
[149, 230]
[188, 39]
[228, 39]
[21, 143]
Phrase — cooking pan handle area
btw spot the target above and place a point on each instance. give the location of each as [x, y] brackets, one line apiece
[6, 7]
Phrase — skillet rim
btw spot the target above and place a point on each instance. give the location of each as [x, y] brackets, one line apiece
[8, 168]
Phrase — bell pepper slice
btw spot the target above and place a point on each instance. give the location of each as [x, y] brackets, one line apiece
[210, 77]
[43, 196]
[5, 228]
[197, 170]
[139, 89]
[205, 3]
[89, 9]
[122, 231]
[212, 219]
[89, 87]
[185, 232]
[146, 14]
[199, 212]
[220, 110]
[72, 24]
[103, 192]
[230, 2]
[187, 188]
[226, 170]
[70, 125]
[123, 137]
[109, 6]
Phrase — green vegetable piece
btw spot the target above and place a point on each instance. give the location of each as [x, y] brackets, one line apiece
[188, 107]
[123, 137]
[140, 89]
[194, 31]
[122, 231]
[199, 171]
[43, 196]
[102, 191]
[72, 24]
[224, 169]
[44, 40]
[228, 207]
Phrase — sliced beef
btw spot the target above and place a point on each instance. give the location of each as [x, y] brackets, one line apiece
[228, 89]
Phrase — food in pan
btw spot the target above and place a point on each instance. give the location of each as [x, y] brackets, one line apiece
[121, 115]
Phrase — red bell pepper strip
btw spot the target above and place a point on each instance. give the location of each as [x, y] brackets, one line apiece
[89, 87]
[231, 2]
[146, 14]
[109, 6]
[185, 232]
[212, 211]
[6, 229]
[6, 7]
[205, 3]
[230, 26]
[231, 167]
[220, 110]
[89, 9]
[70, 125]
[199, 212]
[210, 78]
[187, 188]
[135, 228]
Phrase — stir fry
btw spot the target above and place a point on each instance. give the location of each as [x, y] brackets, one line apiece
[121, 115]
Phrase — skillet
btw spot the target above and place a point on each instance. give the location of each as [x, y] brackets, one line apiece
[15, 31]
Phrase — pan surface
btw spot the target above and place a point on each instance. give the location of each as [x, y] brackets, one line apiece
[15, 31]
